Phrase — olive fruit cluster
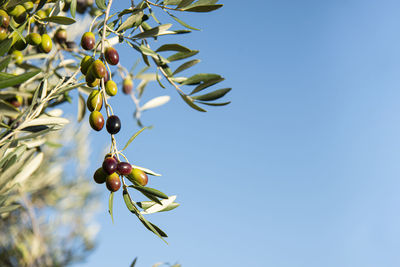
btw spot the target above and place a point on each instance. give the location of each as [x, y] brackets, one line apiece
[112, 169]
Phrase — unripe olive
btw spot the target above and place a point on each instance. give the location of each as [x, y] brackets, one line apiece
[111, 88]
[88, 41]
[127, 85]
[41, 14]
[34, 39]
[139, 176]
[112, 56]
[4, 19]
[28, 6]
[86, 63]
[96, 120]
[113, 182]
[20, 45]
[47, 44]
[91, 81]
[98, 69]
[99, 176]
[124, 168]
[113, 124]
[19, 14]
[110, 165]
[60, 36]
[3, 34]
[17, 56]
[94, 101]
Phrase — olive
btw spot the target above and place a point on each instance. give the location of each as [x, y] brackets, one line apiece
[113, 124]
[71, 45]
[110, 155]
[28, 6]
[99, 176]
[20, 45]
[112, 56]
[19, 13]
[91, 81]
[139, 176]
[46, 43]
[85, 64]
[3, 34]
[96, 120]
[110, 165]
[127, 85]
[16, 101]
[113, 182]
[61, 36]
[94, 101]
[111, 88]
[67, 5]
[34, 39]
[81, 6]
[98, 69]
[17, 56]
[124, 168]
[88, 41]
[106, 77]
[41, 14]
[4, 19]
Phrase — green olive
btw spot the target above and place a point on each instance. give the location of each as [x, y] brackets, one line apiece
[91, 81]
[34, 39]
[94, 101]
[41, 14]
[19, 14]
[17, 56]
[4, 19]
[111, 88]
[96, 120]
[138, 176]
[127, 85]
[86, 63]
[20, 45]
[3, 34]
[47, 44]
[28, 6]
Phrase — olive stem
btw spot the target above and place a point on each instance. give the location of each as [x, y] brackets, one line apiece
[163, 7]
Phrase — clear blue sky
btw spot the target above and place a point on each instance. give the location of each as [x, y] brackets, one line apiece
[301, 170]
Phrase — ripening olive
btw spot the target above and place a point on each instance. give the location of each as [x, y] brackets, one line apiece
[111, 88]
[28, 6]
[94, 101]
[47, 44]
[17, 56]
[127, 85]
[99, 176]
[124, 168]
[20, 45]
[113, 124]
[81, 6]
[98, 69]
[96, 120]
[139, 176]
[112, 56]
[4, 19]
[60, 36]
[106, 77]
[110, 155]
[3, 34]
[110, 165]
[113, 182]
[19, 13]
[91, 81]
[16, 101]
[85, 64]
[34, 39]
[88, 41]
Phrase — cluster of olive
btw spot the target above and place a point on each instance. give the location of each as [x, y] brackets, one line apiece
[112, 169]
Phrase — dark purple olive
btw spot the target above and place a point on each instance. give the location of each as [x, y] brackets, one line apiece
[110, 165]
[100, 176]
[124, 168]
[112, 56]
[113, 182]
[113, 124]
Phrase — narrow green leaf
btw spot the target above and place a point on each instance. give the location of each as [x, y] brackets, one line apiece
[110, 205]
[212, 95]
[8, 208]
[173, 47]
[214, 104]
[159, 231]
[171, 2]
[205, 8]
[184, 24]
[59, 20]
[153, 32]
[40, 5]
[186, 65]
[17, 79]
[182, 55]
[4, 62]
[189, 101]
[151, 197]
[133, 137]
[201, 77]
[171, 206]
[134, 20]
[159, 81]
[150, 191]
[5, 45]
[145, 204]
[101, 4]
[133, 262]
[206, 84]
[18, 33]
[185, 3]
[73, 8]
